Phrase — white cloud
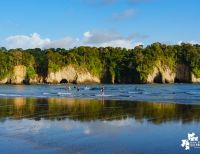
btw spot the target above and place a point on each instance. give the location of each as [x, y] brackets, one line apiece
[190, 42]
[123, 15]
[120, 43]
[87, 35]
[66, 43]
[110, 38]
[23, 41]
[95, 38]
[35, 41]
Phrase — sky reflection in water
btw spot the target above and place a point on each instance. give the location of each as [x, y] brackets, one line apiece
[59, 125]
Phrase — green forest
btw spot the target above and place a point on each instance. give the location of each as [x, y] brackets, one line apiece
[118, 64]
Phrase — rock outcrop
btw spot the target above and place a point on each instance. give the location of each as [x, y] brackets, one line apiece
[72, 74]
[19, 74]
[4, 81]
[16, 77]
[161, 74]
[75, 74]
[195, 79]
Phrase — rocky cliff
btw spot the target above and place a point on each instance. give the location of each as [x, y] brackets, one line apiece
[194, 79]
[16, 77]
[72, 74]
[75, 74]
[163, 74]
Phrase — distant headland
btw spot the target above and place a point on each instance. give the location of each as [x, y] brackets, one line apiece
[156, 63]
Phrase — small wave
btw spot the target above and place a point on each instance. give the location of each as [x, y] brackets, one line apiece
[10, 95]
[86, 88]
[62, 93]
[46, 93]
[95, 89]
[3, 94]
[123, 95]
[179, 92]
[134, 92]
[104, 95]
[192, 93]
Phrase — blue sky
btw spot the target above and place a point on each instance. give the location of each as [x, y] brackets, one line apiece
[69, 23]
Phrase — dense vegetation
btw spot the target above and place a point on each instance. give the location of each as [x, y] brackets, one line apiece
[110, 64]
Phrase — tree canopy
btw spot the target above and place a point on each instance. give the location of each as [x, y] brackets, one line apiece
[110, 64]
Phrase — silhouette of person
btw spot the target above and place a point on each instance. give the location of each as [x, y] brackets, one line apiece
[102, 90]
[68, 88]
[78, 88]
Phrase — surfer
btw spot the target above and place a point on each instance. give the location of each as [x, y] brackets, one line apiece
[102, 90]
[78, 88]
[68, 88]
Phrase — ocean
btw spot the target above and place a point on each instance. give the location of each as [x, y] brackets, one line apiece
[127, 119]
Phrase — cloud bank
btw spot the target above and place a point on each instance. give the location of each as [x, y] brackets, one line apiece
[190, 42]
[94, 39]
[36, 41]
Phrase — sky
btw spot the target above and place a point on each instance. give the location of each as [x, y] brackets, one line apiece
[117, 23]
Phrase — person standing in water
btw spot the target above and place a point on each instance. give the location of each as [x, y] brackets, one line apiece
[78, 88]
[102, 90]
[68, 88]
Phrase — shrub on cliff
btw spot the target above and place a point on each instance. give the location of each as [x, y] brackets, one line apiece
[30, 73]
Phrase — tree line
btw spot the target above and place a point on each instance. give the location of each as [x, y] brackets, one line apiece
[110, 64]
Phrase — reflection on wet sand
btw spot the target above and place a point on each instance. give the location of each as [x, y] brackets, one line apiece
[87, 110]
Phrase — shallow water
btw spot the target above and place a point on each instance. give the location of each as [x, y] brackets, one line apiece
[172, 93]
[61, 125]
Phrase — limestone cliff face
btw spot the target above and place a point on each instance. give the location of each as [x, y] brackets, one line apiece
[19, 74]
[71, 74]
[86, 77]
[75, 74]
[161, 74]
[195, 79]
[4, 81]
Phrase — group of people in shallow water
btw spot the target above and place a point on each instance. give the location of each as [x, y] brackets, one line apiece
[75, 87]
[78, 88]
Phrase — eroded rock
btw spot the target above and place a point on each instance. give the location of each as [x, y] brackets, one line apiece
[72, 74]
